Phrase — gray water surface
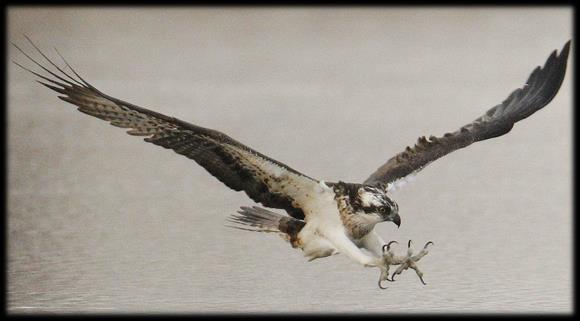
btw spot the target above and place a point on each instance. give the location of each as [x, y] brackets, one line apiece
[101, 222]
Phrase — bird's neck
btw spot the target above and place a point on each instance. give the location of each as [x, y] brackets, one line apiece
[353, 222]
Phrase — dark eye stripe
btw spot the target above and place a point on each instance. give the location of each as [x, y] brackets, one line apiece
[376, 209]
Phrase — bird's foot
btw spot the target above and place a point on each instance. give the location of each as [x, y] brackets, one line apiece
[388, 259]
[404, 262]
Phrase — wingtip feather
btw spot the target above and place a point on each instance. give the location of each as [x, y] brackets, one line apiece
[563, 56]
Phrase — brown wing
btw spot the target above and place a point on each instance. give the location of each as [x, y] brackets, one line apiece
[541, 87]
[264, 180]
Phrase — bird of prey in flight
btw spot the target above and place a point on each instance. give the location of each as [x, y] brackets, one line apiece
[321, 218]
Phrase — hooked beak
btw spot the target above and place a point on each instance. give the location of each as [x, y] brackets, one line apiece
[397, 220]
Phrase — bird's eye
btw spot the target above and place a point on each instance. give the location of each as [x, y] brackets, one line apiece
[382, 209]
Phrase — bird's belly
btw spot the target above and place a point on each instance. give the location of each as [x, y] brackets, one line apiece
[312, 238]
[322, 217]
[314, 245]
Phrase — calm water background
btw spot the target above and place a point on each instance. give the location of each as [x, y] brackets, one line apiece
[100, 222]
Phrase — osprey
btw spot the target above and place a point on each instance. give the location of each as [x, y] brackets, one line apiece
[323, 218]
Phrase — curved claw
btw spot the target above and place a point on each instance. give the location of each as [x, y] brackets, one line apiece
[393, 277]
[380, 286]
[388, 245]
[421, 278]
[427, 244]
[409, 244]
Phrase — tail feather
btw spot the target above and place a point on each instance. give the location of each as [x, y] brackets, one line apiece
[258, 219]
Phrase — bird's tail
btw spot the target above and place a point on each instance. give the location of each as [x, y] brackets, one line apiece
[258, 219]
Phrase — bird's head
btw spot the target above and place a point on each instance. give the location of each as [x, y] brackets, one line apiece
[374, 202]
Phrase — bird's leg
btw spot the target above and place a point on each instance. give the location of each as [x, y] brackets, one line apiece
[410, 261]
[387, 260]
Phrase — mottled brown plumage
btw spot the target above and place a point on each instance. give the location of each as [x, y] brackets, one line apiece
[222, 156]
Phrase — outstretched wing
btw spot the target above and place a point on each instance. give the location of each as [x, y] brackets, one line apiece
[264, 180]
[541, 87]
